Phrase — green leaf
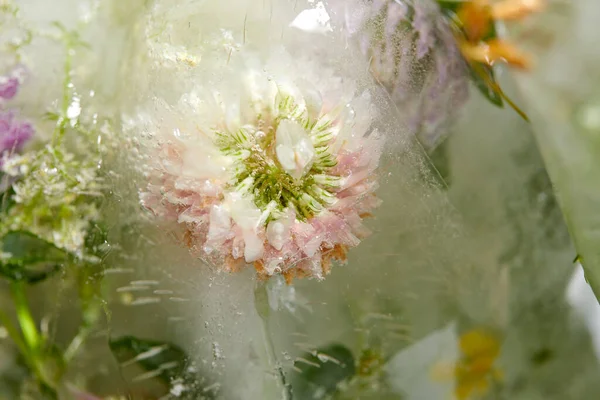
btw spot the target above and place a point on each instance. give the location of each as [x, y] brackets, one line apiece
[96, 241]
[51, 116]
[166, 360]
[28, 258]
[449, 5]
[6, 193]
[481, 77]
[325, 370]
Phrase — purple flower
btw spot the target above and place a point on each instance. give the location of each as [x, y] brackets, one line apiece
[13, 134]
[413, 55]
[10, 83]
[8, 87]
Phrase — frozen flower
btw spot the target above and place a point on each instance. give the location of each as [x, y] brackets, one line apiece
[278, 173]
[475, 372]
[8, 87]
[11, 82]
[13, 134]
[478, 18]
[414, 55]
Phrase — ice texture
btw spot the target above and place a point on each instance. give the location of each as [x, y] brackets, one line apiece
[483, 251]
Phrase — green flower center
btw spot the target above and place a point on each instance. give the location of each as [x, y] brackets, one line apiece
[290, 172]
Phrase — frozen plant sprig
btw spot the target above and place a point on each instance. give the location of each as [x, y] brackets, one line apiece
[280, 176]
[54, 197]
[55, 192]
[49, 211]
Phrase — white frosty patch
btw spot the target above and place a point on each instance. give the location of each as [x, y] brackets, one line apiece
[315, 20]
[247, 216]
[278, 232]
[409, 371]
[294, 148]
[220, 223]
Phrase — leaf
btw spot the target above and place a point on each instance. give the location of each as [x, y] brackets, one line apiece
[325, 370]
[6, 193]
[486, 73]
[482, 75]
[166, 360]
[96, 241]
[449, 5]
[29, 258]
[51, 116]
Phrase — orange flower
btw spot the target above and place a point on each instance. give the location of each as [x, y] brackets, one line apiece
[477, 18]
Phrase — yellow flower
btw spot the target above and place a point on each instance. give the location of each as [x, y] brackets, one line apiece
[474, 371]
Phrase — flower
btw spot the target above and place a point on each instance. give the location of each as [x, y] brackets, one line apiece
[477, 19]
[280, 176]
[475, 370]
[11, 82]
[414, 55]
[8, 87]
[474, 373]
[13, 133]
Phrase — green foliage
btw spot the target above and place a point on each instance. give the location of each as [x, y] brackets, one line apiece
[167, 360]
[161, 360]
[327, 368]
[54, 199]
[482, 76]
[26, 257]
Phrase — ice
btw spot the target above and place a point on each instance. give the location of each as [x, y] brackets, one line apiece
[562, 95]
[486, 250]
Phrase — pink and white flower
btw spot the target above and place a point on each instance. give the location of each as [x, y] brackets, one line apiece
[279, 176]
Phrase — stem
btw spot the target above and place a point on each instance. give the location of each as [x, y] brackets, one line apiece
[13, 332]
[61, 124]
[261, 303]
[28, 326]
[33, 344]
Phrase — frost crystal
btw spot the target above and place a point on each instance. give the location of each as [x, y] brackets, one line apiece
[279, 176]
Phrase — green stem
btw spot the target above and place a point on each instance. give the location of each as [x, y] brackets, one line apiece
[261, 304]
[61, 124]
[28, 326]
[32, 346]
[13, 332]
